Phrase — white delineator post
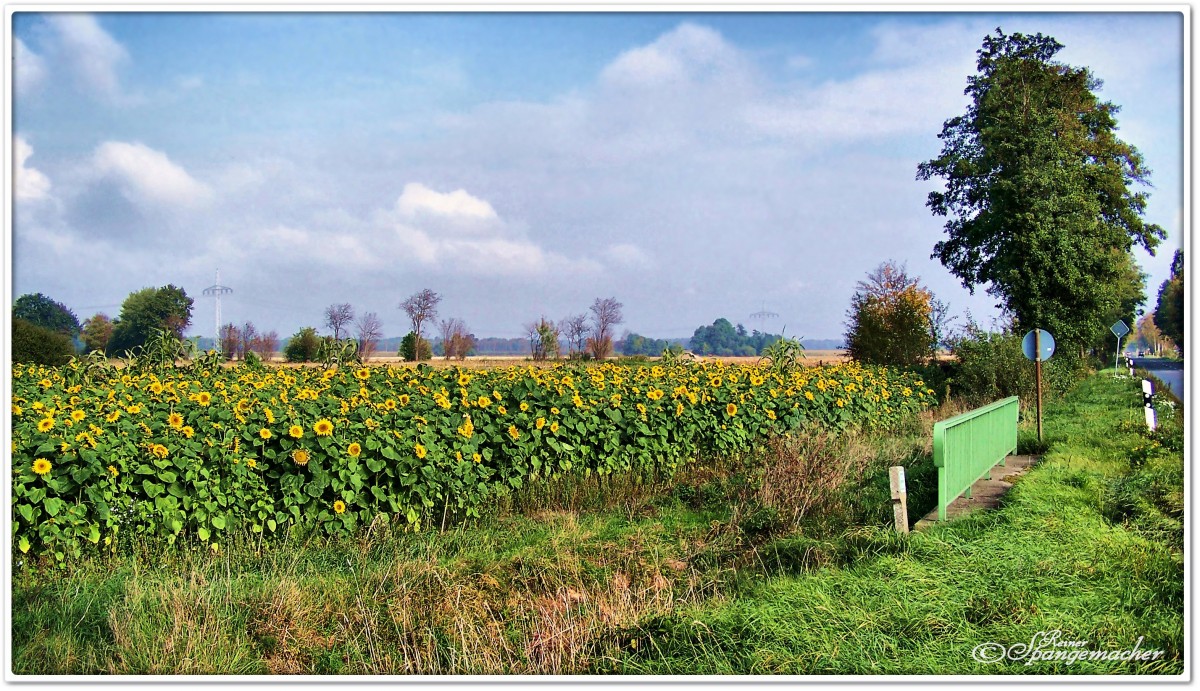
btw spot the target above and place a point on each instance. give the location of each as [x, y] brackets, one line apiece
[899, 498]
[1148, 399]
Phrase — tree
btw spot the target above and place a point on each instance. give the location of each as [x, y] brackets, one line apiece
[39, 310]
[720, 338]
[606, 314]
[1147, 334]
[96, 331]
[413, 347]
[1168, 313]
[149, 309]
[543, 339]
[370, 331]
[1037, 190]
[36, 345]
[891, 319]
[266, 345]
[457, 341]
[338, 317]
[303, 346]
[230, 340]
[250, 338]
[574, 328]
[421, 307]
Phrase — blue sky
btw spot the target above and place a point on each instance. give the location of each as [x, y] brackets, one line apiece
[692, 165]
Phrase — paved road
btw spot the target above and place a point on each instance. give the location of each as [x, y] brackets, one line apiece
[1169, 371]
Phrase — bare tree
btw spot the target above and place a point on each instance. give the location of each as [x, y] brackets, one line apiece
[543, 339]
[337, 317]
[231, 340]
[370, 330]
[249, 339]
[606, 314]
[574, 329]
[456, 341]
[421, 307]
[267, 344]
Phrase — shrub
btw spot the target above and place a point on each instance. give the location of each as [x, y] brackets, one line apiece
[36, 345]
[409, 350]
[991, 366]
[303, 346]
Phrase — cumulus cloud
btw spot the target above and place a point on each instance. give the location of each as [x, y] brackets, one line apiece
[147, 176]
[459, 231]
[31, 183]
[29, 69]
[417, 199]
[689, 52]
[91, 55]
[627, 255]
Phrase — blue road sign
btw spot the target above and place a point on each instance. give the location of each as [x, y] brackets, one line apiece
[1119, 329]
[1028, 346]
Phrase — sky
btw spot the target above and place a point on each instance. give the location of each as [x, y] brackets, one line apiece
[692, 165]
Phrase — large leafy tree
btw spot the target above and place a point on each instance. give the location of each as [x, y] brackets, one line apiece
[39, 310]
[1168, 314]
[1037, 190]
[167, 308]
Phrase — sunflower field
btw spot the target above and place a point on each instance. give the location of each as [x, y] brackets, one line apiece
[193, 452]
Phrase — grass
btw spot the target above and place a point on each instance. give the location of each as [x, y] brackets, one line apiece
[728, 569]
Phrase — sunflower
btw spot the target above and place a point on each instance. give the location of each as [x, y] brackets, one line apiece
[159, 450]
[175, 420]
[187, 431]
[502, 410]
[541, 422]
[524, 406]
[46, 424]
[204, 398]
[808, 395]
[300, 456]
[476, 458]
[513, 432]
[363, 374]
[323, 428]
[296, 431]
[420, 451]
[156, 388]
[113, 469]
[41, 466]
[403, 399]
[484, 401]
[554, 427]
[264, 433]
[134, 409]
[78, 415]
[464, 379]
[113, 416]
[731, 410]
[339, 507]
[250, 462]
[354, 450]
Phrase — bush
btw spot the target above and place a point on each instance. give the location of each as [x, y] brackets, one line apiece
[409, 350]
[36, 345]
[992, 366]
[303, 346]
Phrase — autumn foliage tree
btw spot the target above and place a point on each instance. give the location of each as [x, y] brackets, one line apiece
[606, 315]
[891, 319]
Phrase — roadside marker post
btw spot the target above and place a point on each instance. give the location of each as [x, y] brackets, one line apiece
[899, 498]
[1148, 400]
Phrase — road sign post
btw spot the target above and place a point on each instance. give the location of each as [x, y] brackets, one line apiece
[1038, 345]
[1119, 329]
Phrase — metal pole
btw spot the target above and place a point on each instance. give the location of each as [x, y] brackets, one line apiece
[1117, 358]
[1037, 368]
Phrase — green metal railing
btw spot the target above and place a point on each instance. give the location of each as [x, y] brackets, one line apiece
[967, 446]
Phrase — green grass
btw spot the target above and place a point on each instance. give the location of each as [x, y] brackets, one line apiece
[706, 575]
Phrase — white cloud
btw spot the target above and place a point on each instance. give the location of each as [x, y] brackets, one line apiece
[30, 183]
[689, 52]
[89, 52]
[147, 176]
[29, 69]
[417, 199]
[627, 255]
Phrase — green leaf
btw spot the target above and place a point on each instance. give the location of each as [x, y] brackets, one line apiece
[203, 533]
[218, 522]
[53, 505]
[26, 512]
[152, 489]
[23, 545]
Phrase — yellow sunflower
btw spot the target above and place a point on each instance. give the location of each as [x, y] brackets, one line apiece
[78, 415]
[731, 410]
[323, 428]
[541, 422]
[46, 424]
[300, 456]
[420, 451]
[264, 433]
[175, 420]
[513, 432]
[296, 431]
[354, 450]
[339, 507]
[41, 466]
